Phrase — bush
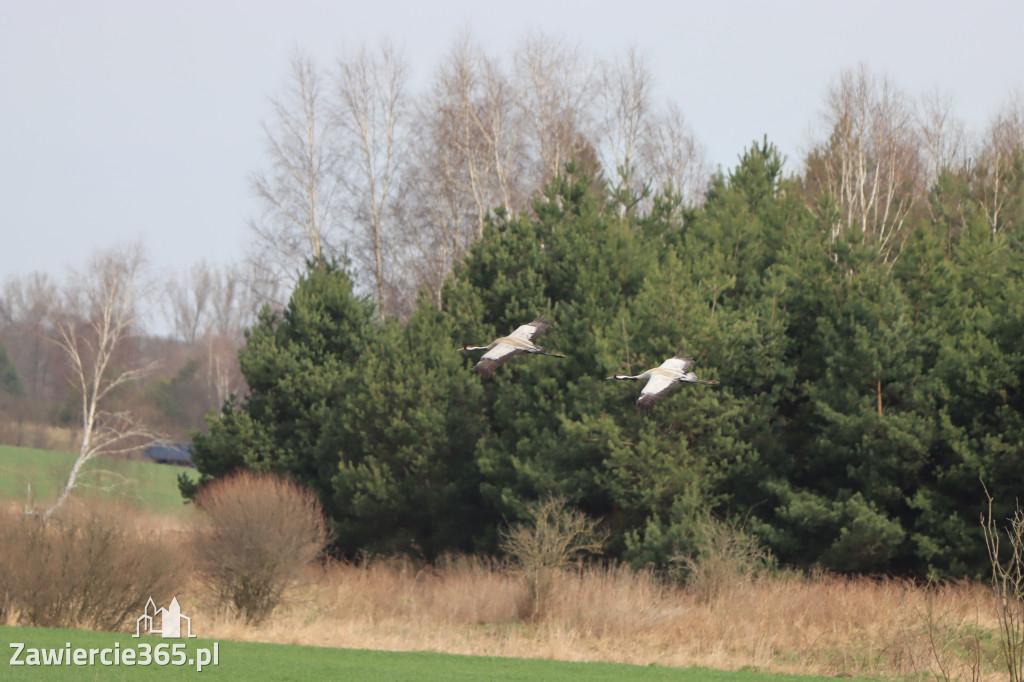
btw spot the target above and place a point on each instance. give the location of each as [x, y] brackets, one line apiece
[256, 534]
[93, 564]
[727, 557]
[549, 541]
[1008, 585]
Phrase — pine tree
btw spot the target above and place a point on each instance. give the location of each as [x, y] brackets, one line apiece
[10, 381]
[296, 365]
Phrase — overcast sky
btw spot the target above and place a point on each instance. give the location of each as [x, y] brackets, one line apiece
[140, 120]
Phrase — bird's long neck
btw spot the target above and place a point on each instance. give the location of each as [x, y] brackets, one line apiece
[476, 348]
[626, 376]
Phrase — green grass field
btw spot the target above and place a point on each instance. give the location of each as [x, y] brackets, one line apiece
[250, 661]
[153, 486]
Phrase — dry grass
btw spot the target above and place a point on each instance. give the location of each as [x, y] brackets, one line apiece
[93, 565]
[825, 625]
[39, 435]
[820, 624]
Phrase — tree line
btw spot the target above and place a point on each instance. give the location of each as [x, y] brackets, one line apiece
[866, 394]
[861, 315]
[399, 184]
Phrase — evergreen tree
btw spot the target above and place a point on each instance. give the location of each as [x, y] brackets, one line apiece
[861, 402]
[10, 381]
[403, 434]
[296, 365]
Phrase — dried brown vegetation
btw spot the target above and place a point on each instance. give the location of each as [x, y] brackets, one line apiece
[823, 624]
[90, 565]
[553, 538]
[255, 535]
[818, 624]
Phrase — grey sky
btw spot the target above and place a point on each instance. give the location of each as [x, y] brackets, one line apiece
[128, 119]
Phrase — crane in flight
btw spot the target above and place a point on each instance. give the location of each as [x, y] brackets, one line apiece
[663, 380]
[522, 340]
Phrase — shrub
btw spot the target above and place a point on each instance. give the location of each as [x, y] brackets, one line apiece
[1008, 585]
[726, 557]
[94, 564]
[256, 534]
[550, 540]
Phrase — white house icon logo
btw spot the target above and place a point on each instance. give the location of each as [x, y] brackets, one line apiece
[170, 621]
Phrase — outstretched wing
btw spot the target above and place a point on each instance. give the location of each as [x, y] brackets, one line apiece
[530, 332]
[495, 358]
[656, 388]
[678, 363]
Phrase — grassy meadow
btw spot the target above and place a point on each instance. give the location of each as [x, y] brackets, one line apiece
[464, 617]
[150, 485]
[249, 661]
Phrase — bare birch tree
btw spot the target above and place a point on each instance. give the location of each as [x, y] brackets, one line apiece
[557, 89]
[440, 217]
[468, 159]
[647, 147]
[870, 164]
[480, 143]
[370, 110]
[101, 313]
[472, 107]
[190, 302]
[998, 162]
[298, 192]
[209, 310]
[626, 94]
[942, 135]
[673, 158]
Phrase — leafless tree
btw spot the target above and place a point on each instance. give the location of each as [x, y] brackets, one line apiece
[26, 304]
[370, 109]
[440, 218]
[25, 307]
[190, 302]
[211, 299]
[942, 134]
[492, 115]
[557, 89]
[997, 161]
[299, 190]
[101, 312]
[234, 306]
[471, 110]
[210, 308]
[673, 158]
[231, 306]
[224, 377]
[476, 146]
[646, 147]
[626, 94]
[468, 159]
[870, 164]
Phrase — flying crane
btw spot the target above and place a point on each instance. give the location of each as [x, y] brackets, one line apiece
[663, 380]
[520, 341]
